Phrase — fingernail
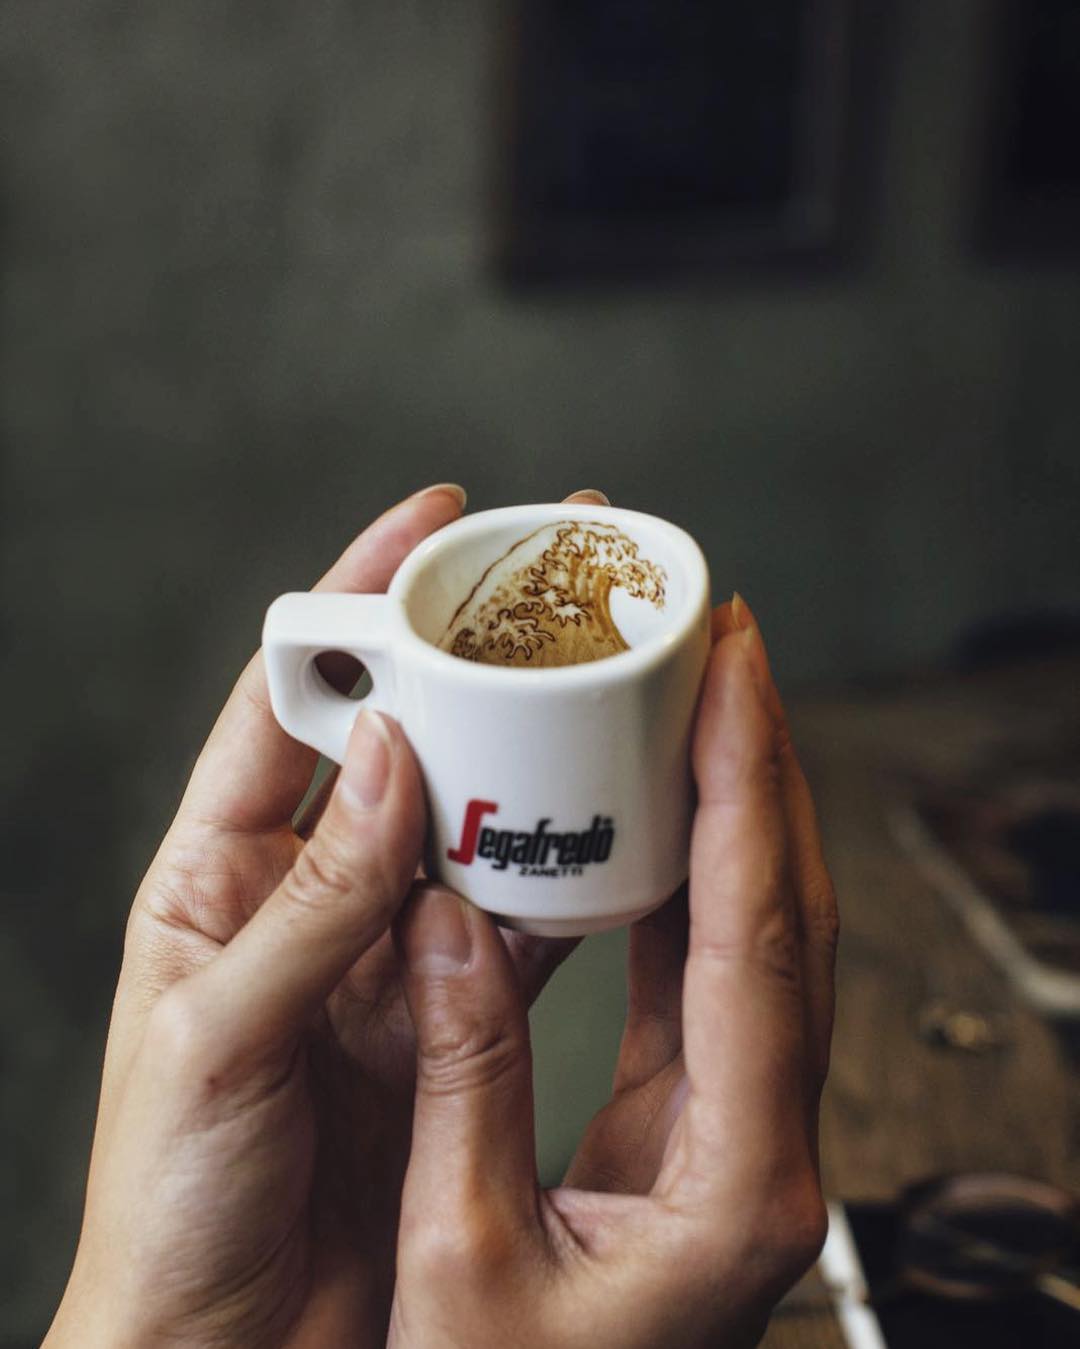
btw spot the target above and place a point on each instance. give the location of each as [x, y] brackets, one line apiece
[743, 620]
[453, 489]
[366, 769]
[740, 612]
[594, 494]
[437, 936]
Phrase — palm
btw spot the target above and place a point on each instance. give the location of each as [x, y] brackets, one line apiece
[200, 910]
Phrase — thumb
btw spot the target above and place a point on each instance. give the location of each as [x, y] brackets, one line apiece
[472, 1144]
[339, 897]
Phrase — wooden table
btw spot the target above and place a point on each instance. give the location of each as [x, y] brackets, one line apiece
[896, 1108]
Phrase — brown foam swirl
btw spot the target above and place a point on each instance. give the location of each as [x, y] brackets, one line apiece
[546, 601]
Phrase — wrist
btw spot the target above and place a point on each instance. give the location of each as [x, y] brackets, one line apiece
[83, 1323]
[93, 1312]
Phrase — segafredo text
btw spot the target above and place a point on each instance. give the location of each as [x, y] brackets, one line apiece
[541, 851]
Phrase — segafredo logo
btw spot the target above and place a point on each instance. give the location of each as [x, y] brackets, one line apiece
[541, 852]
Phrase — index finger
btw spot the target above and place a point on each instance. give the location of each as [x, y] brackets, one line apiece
[251, 775]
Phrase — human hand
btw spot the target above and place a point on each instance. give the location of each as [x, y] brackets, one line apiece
[257, 1093]
[694, 1199]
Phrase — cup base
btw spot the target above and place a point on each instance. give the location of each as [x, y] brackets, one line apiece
[573, 927]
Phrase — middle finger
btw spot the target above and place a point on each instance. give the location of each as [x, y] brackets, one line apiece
[815, 898]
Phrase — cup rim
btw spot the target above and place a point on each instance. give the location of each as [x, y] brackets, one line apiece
[624, 665]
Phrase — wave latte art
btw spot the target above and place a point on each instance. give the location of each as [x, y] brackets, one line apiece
[546, 600]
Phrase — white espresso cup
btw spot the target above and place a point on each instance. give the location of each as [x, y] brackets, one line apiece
[560, 798]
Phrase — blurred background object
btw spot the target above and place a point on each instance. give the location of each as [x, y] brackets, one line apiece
[256, 265]
[647, 139]
[1033, 152]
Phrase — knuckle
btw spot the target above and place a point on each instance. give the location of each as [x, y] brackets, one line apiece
[193, 1055]
[178, 1030]
[252, 688]
[467, 1056]
[783, 745]
[472, 1248]
[776, 946]
[794, 1230]
[770, 946]
[437, 1253]
[809, 1224]
[323, 872]
[826, 919]
[730, 773]
[768, 770]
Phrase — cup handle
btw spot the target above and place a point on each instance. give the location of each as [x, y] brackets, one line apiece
[300, 627]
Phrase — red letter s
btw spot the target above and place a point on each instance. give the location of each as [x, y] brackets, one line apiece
[466, 849]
